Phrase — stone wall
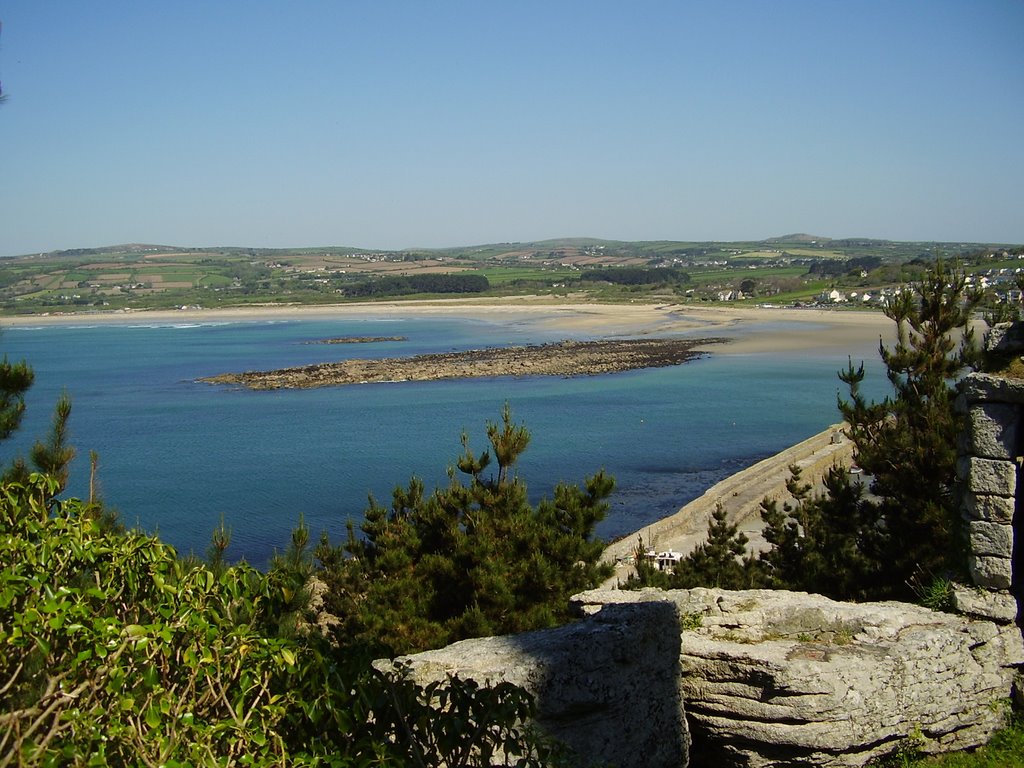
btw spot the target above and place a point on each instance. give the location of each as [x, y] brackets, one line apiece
[773, 678]
[764, 678]
[608, 686]
[989, 467]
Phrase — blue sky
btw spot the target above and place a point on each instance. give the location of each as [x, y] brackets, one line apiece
[429, 124]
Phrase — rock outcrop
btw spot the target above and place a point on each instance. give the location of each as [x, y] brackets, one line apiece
[765, 678]
[773, 678]
[608, 686]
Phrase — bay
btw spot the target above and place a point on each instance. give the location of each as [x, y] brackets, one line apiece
[176, 455]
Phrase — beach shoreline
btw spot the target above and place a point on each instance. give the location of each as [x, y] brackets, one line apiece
[750, 329]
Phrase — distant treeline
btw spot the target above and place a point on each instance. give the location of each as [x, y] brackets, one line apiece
[636, 275]
[408, 284]
[837, 267]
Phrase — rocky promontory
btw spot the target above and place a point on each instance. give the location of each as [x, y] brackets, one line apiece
[563, 358]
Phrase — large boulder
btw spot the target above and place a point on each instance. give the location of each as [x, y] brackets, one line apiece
[608, 686]
[774, 678]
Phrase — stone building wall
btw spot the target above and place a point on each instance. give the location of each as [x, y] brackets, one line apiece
[990, 468]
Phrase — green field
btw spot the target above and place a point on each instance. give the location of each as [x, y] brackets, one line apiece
[149, 276]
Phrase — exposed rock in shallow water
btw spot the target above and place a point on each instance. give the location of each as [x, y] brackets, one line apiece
[564, 358]
[357, 339]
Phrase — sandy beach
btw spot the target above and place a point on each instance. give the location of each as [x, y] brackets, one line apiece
[751, 329]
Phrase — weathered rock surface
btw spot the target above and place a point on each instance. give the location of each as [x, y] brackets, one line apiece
[990, 571]
[993, 431]
[1000, 607]
[993, 509]
[1005, 338]
[766, 678]
[357, 339]
[608, 686]
[987, 387]
[988, 476]
[782, 678]
[565, 358]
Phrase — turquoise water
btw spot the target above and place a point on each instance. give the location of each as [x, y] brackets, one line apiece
[176, 455]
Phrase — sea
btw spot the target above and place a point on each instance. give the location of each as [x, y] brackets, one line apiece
[177, 456]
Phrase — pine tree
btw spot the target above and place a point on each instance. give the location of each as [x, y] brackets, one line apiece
[54, 456]
[15, 380]
[827, 543]
[907, 442]
[841, 542]
[721, 561]
[845, 545]
[472, 558]
[51, 457]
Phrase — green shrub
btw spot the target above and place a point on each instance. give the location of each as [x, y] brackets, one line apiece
[114, 651]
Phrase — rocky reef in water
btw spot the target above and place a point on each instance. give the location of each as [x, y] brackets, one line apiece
[358, 340]
[563, 358]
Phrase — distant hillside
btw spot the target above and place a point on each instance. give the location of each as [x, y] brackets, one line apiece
[799, 237]
[142, 249]
[631, 248]
[133, 276]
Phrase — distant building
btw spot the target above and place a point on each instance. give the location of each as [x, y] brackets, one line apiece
[832, 297]
[734, 295]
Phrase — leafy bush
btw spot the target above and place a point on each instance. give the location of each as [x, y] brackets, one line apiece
[117, 652]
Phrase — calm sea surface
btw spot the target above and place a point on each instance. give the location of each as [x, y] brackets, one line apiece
[176, 455]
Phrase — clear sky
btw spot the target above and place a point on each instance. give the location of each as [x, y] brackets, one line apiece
[387, 124]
